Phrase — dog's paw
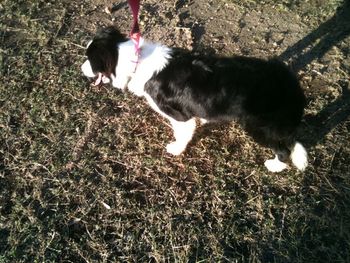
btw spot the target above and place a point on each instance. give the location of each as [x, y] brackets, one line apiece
[175, 148]
[136, 87]
[275, 165]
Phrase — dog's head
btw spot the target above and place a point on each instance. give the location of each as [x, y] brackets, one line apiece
[102, 54]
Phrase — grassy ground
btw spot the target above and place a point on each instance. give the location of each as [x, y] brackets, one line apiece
[84, 176]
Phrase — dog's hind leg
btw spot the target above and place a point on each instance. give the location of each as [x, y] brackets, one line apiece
[183, 133]
[295, 151]
[282, 154]
[299, 156]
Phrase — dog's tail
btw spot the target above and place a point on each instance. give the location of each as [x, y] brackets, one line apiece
[299, 156]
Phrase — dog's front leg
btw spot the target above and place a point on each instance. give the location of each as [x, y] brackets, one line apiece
[137, 86]
[137, 83]
[183, 133]
[119, 82]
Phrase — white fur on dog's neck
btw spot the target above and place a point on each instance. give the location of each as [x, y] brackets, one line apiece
[153, 58]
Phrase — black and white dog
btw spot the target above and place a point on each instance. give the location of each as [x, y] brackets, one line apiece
[263, 96]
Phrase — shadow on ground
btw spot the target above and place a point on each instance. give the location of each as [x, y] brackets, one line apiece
[312, 47]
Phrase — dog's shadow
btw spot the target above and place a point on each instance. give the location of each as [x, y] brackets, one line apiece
[317, 44]
[327, 35]
[207, 129]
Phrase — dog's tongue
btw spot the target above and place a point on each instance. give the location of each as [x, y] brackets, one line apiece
[101, 78]
[98, 80]
[105, 79]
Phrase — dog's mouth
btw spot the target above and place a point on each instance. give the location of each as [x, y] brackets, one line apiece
[100, 79]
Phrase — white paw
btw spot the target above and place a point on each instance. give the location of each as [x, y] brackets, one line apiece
[175, 148]
[299, 157]
[136, 87]
[275, 165]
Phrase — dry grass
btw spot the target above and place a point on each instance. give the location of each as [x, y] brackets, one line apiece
[84, 176]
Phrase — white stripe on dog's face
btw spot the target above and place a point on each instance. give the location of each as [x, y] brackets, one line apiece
[87, 70]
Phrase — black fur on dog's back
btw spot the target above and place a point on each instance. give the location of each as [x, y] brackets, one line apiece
[264, 96]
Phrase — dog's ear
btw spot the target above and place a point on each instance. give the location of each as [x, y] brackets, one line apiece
[111, 33]
[103, 52]
[103, 56]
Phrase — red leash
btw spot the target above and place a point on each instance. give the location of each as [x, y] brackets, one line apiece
[135, 33]
[135, 7]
